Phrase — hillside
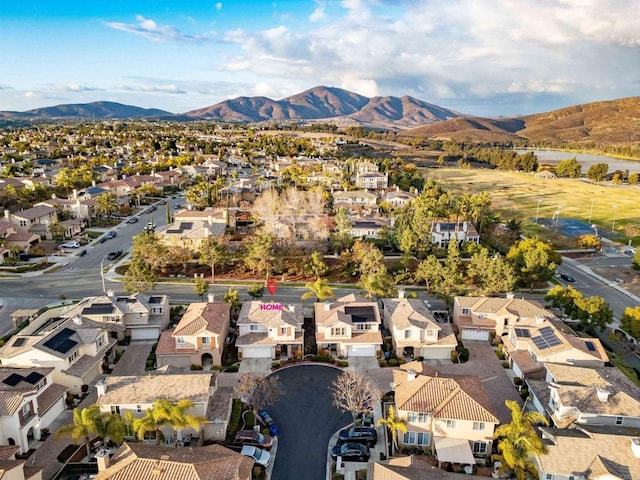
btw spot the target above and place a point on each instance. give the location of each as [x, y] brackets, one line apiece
[94, 110]
[615, 122]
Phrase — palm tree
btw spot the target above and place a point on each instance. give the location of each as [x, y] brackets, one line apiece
[395, 424]
[84, 424]
[165, 413]
[318, 289]
[518, 442]
[110, 426]
[106, 204]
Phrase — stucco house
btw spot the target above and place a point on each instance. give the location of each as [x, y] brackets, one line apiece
[15, 469]
[34, 221]
[199, 337]
[349, 326]
[443, 232]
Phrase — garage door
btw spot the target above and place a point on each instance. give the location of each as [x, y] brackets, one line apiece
[256, 352]
[436, 353]
[145, 333]
[361, 351]
[475, 334]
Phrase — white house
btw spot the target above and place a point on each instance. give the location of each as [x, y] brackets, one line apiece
[443, 232]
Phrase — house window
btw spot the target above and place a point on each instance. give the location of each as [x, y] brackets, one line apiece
[26, 410]
[206, 340]
[451, 423]
[99, 341]
[479, 448]
[417, 417]
[416, 438]
[155, 310]
[254, 328]
[364, 326]
[408, 334]
[466, 311]
[337, 332]
[139, 408]
[480, 426]
[73, 356]
[619, 420]
[115, 409]
[180, 340]
[283, 331]
[549, 476]
[23, 223]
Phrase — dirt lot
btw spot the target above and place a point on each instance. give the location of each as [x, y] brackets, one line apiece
[630, 277]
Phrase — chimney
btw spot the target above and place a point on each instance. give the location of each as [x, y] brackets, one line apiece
[101, 387]
[109, 293]
[510, 295]
[292, 308]
[93, 183]
[327, 306]
[102, 458]
[7, 214]
[540, 319]
[635, 446]
[401, 293]
[211, 297]
[77, 320]
[411, 375]
[603, 394]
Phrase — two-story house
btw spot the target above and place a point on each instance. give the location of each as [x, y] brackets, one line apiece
[34, 221]
[137, 394]
[270, 330]
[199, 337]
[452, 416]
[356, 202]
[414, 331]
[15, 469]
[372, 181]
[368, 227]
[29, 402]
[139, 317]
[398, 198]
[443, 232]
[349, 326]
[76, 349]
[586, 396]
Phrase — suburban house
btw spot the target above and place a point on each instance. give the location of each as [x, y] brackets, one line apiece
[29, 402]
[452, 416]
[270, 330]
[137, 394]
[76, 208]
[356, 202]
[139, 317]
[76, 349]
[189, 234]
[14, 469]
[411, 467]
[414, 331]
[443, 232]
[367, 227]
[589, 452]
[592, 396]
[33, 221]
[366, 167]
[372, 181]
[143, 460]
[199, 337]
[349, 326]
[398, 198]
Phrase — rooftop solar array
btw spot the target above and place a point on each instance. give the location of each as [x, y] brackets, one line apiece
[523, 333]
[361, 314]
[155, 299]
[61, 341]
[13, 379]
[33, 378]
[98, 309]
[546, 339]
[590, 346]
[18, 342]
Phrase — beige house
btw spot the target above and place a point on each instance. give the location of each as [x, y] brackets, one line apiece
[356, 202]
[148, 461]
[372, 181]
[137, 393]
[587, 396]
[270, 330]
[586, 453]
[398, 198]
[367, 227]
[13, 469]
[29, 402]
[452, 416]
[414, 331]
[139, 317]
[33, 221]
[199, 337]
[76, 349]
[349, 326]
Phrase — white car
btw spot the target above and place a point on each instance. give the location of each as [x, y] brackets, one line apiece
[72, 244]
[261, 457]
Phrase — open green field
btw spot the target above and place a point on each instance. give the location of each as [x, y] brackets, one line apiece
[517, 194]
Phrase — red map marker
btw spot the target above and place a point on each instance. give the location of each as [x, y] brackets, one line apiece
[272, 286]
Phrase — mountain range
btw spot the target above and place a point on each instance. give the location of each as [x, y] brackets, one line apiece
[610, 122]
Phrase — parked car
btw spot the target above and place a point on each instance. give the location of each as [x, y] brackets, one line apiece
[567, 277]
[83, 252]
[133, 220]
[266, 418]
[350, 452]
[260, 456]
[111, 234]
[71, 244]
[114, 255]
[251, 437]
[365, 435]
[153, 208]
[177, 206]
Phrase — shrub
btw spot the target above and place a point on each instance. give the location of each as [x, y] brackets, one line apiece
[463, 355]
[500, 353]
[524, 393]
[275, 364]
[517, 381]
[196, 367]
[393, 362]
[505, 364]
[342, 363]
[233, 368]
[454, 356]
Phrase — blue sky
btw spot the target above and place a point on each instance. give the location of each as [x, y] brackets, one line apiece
[482, 57]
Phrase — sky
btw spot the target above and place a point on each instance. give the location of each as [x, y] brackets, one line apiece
[478, 57]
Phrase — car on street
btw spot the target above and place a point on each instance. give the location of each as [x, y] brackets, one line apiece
[251, 437]
[71, 244]
[567, 277]
[350, 452]
[133, 220]
[114, 255]
[260, 456]
[82, 252]
[365, 435]
[177, 206]
[111, 234]
[269, 422]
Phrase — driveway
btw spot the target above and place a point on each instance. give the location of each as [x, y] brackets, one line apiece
[307, 420]
[133, 360]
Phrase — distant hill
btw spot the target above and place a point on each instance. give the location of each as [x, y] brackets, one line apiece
[94, 110]
[614, 122]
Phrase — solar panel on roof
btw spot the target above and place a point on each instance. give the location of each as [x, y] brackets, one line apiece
[33, 378]
[98, 308]
[18, 342]
[523, 333]
[540, 343]
[13, 379]
[61, 341]
[590, 346]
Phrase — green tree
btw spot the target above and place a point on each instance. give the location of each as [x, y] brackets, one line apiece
[212, 252]
[180, 255]
[563, 298]
[518, 442]
[83, 426]
[636, 260]
[341, 238]
[588, 241]
[316, 265]
[630, 321]
[256, 290]
[201, 286]
[57, 231]
[431, 271]
[163, 414]
[452, 280]
[597, 172]
[260, 255]
[319, 290]
[200, 195]
[634, 178]
[139, 277]
[569, 168]
[147, 248]
[377, 283]
[106, 204]
[394, 424]
[492, 274]
[232, 297]
[109, 426]
[535, 260]
[594, 311]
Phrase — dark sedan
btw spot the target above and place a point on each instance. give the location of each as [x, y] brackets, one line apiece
[350, 452]
[365, 435]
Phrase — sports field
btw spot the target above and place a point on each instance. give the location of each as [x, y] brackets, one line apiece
[524, 196]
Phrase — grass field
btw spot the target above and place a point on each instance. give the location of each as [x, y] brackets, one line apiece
[517, 195]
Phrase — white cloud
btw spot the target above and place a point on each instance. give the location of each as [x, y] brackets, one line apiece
[157, 88]
[219, 6]
[74, 87]
[148, 28]
[319, 13]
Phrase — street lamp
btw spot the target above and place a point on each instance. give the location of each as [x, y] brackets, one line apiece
[538, 209]
[591, 211]
[104, 288]
[613, 224]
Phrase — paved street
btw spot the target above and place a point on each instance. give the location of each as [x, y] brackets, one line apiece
[307, 420]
